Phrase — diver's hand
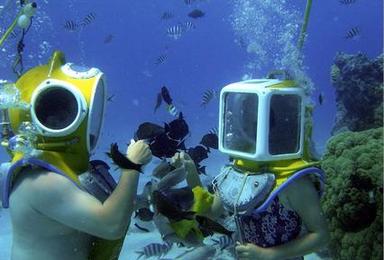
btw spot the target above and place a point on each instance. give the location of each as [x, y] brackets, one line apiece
[139, 152]
[253, 252]
[180, 159]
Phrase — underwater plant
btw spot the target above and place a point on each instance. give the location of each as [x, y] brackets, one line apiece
[353, 198]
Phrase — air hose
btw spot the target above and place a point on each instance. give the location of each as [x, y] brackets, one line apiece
[303, 32]
[24, 21]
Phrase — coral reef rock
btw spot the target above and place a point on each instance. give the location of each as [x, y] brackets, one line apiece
[353, 198]
[359, 92]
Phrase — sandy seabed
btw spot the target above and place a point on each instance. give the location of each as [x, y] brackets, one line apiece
[134, 241]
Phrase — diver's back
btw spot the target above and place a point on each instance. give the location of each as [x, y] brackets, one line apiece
[36, 236]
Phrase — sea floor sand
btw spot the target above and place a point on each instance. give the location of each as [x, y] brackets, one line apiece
[134, 241]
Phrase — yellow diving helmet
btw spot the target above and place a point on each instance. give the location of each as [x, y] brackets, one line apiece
[66, 107]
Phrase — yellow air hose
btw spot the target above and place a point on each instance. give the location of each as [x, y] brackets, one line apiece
[25, 10]
[9, 30]
[303, 32]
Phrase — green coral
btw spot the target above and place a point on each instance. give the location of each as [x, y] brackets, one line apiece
[353, 199]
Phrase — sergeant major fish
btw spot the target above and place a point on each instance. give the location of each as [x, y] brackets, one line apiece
[175, 31]
[353, 33]
[224, 242]
[154, 249]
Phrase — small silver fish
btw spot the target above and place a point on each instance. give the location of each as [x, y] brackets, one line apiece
[175, 31]
[189, 2]
[172, 110]
[154, 249]
[188, 25]
[213, 130]
[161, 59]
[71, 26]
[108, 38]
[88, 19]
[353, 33]
[321, 98]
[167, 15]
[208, 95]
[224, 242]
[347, 2]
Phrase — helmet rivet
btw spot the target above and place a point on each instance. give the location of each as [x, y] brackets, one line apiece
[256, 184]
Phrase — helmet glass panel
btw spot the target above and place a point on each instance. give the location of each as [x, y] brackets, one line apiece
[240, 122]
[96, 114]
[284, 124]
[56, 108]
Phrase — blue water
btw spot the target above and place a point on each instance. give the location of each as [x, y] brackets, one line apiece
[206, 57]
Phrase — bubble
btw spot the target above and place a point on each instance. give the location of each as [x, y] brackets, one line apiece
[268, 30]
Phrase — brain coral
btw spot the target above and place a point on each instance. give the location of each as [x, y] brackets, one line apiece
[353, 199]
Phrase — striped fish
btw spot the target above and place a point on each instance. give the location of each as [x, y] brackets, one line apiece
[161, 59]
[208, 96]
[353, 33]
[189, 2]
[167, 15]
[175, 31]
[154, 249]
[347, 2]
[172, 110]
[224, 242]
[71, 26]
[213, 131]
[188, 25]
[88, 19]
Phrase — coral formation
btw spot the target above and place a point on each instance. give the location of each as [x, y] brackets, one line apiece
[353, 200]
[359, 92]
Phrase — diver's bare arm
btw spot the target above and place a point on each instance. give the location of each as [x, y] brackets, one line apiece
[58, 198]
[192, 177]
[304, 200]
[119, 206]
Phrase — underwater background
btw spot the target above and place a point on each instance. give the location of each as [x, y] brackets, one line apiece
[133, 44]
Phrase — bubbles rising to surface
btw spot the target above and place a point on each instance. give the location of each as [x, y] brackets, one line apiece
[268, 30]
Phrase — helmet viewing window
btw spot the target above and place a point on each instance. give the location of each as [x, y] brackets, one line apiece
[240, 122]
[284, 124]
[56, 108]
[96, 115]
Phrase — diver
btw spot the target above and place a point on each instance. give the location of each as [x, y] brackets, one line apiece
[271, 189]
[55, 114]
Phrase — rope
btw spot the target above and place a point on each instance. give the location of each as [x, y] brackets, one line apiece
[235, 214]
[18, 66]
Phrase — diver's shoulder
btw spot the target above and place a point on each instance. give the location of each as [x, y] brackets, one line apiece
[41, 179]
[299, 188]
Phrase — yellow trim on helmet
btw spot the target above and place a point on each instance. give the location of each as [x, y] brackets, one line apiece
[281, 169]
[285, 84]
[67, 153]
